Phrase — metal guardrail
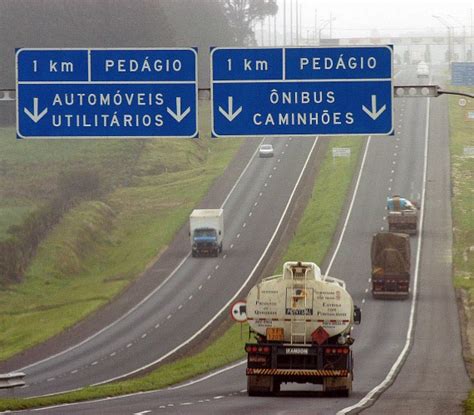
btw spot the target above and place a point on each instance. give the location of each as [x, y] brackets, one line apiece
[11, 380]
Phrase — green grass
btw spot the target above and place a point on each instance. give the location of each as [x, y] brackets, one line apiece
[311, 242]
[469, 404]
[462, 175]
[99, 247]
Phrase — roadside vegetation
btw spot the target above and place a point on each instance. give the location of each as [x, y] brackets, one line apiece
[101, 243]
[311, 242]
[462, 176]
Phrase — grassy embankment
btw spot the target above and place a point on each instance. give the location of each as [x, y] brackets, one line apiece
[99, 246]
[311, 241]
[462, 174]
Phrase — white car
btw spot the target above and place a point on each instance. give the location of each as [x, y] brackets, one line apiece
[265, 150]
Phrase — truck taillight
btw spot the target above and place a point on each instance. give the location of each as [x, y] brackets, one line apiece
[249, 348]
[338, 350]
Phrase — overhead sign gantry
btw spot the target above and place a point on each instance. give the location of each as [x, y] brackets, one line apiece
[295, 91]
[100, 93]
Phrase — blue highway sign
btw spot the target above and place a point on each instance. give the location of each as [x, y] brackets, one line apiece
[462, 73]
[106, 93]
[302, 91]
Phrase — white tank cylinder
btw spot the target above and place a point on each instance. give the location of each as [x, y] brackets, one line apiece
[301, 305]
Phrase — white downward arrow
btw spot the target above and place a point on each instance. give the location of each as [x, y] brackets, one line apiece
[35, 116]
[178, 115]
[230, 114]
[373, 113]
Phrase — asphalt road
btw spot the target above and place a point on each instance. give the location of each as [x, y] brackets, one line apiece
[432, 379]
[197, 292]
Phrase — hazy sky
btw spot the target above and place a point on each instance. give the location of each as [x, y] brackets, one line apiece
[359, 17]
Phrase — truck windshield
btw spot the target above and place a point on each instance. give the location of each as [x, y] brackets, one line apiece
[205, 233]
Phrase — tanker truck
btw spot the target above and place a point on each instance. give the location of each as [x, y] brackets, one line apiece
[302, 324]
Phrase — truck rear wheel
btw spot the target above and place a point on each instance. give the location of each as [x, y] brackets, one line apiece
[261, 385]
[336, 386]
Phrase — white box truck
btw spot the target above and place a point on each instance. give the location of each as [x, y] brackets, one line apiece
[206, 230]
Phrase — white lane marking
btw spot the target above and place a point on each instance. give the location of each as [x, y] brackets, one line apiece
[158, 324]
[180, 306]
[265, 185]
[370, 280]
[255, 204]
[144, 300]
[74, 371]
[286, 145]
[366, 290]
[250, 213]
[231, 246]
[217, 266]
[389, 189]
[350, 207]
[409, 337]
[238, 235]
[384, 218]
[395, 154]
[278, 161]
[391, 179]
[270, 176]
[393, 171]
[190, 297]
[50, 379]
[225, 256]
[129, 345]
[186, 403]
[144, 335]
[112, 354]
[209, 276]
[142, 412]
[168, 316]
[381, 228]
[260, 194]
[225, 308]
[94, 363]
[274, 168]
[363, 301]
[218, 397]
[244, 225]
[200, 287]
[394, 162]
[282, 153]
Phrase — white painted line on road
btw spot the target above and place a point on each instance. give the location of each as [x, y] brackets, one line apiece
[282, 153]
[395, 154]
[269, 176]
[186, 404]
[231, 246]
[142, 412]
[231, 300]
[94, 363]
[112, 354]
[180, 306]
[238, 235]
[384, 218]
[394, 162]
[217, 266]
[381, 387]
[274, 168]
[250, 213]
[363, 301]
[366, 290]
[244, 225]
[391, 179]
[350, 207]
[190, 297]
[390, 189]
[168, 316]
[74, 371]
[278, 161]
[50, 379]
[209, 276]
[225, 256]
[265, 185]
[260, 194]
[200, 287]
[218, 397]
[370, 280]
[129, 345]
[255, 204]
[381, 228]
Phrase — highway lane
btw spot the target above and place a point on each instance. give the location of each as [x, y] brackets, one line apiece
[196, 291]
[393, 165]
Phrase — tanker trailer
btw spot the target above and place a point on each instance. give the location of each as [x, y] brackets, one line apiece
[302, 324]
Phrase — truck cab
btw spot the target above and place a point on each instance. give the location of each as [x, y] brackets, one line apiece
[205, 241]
